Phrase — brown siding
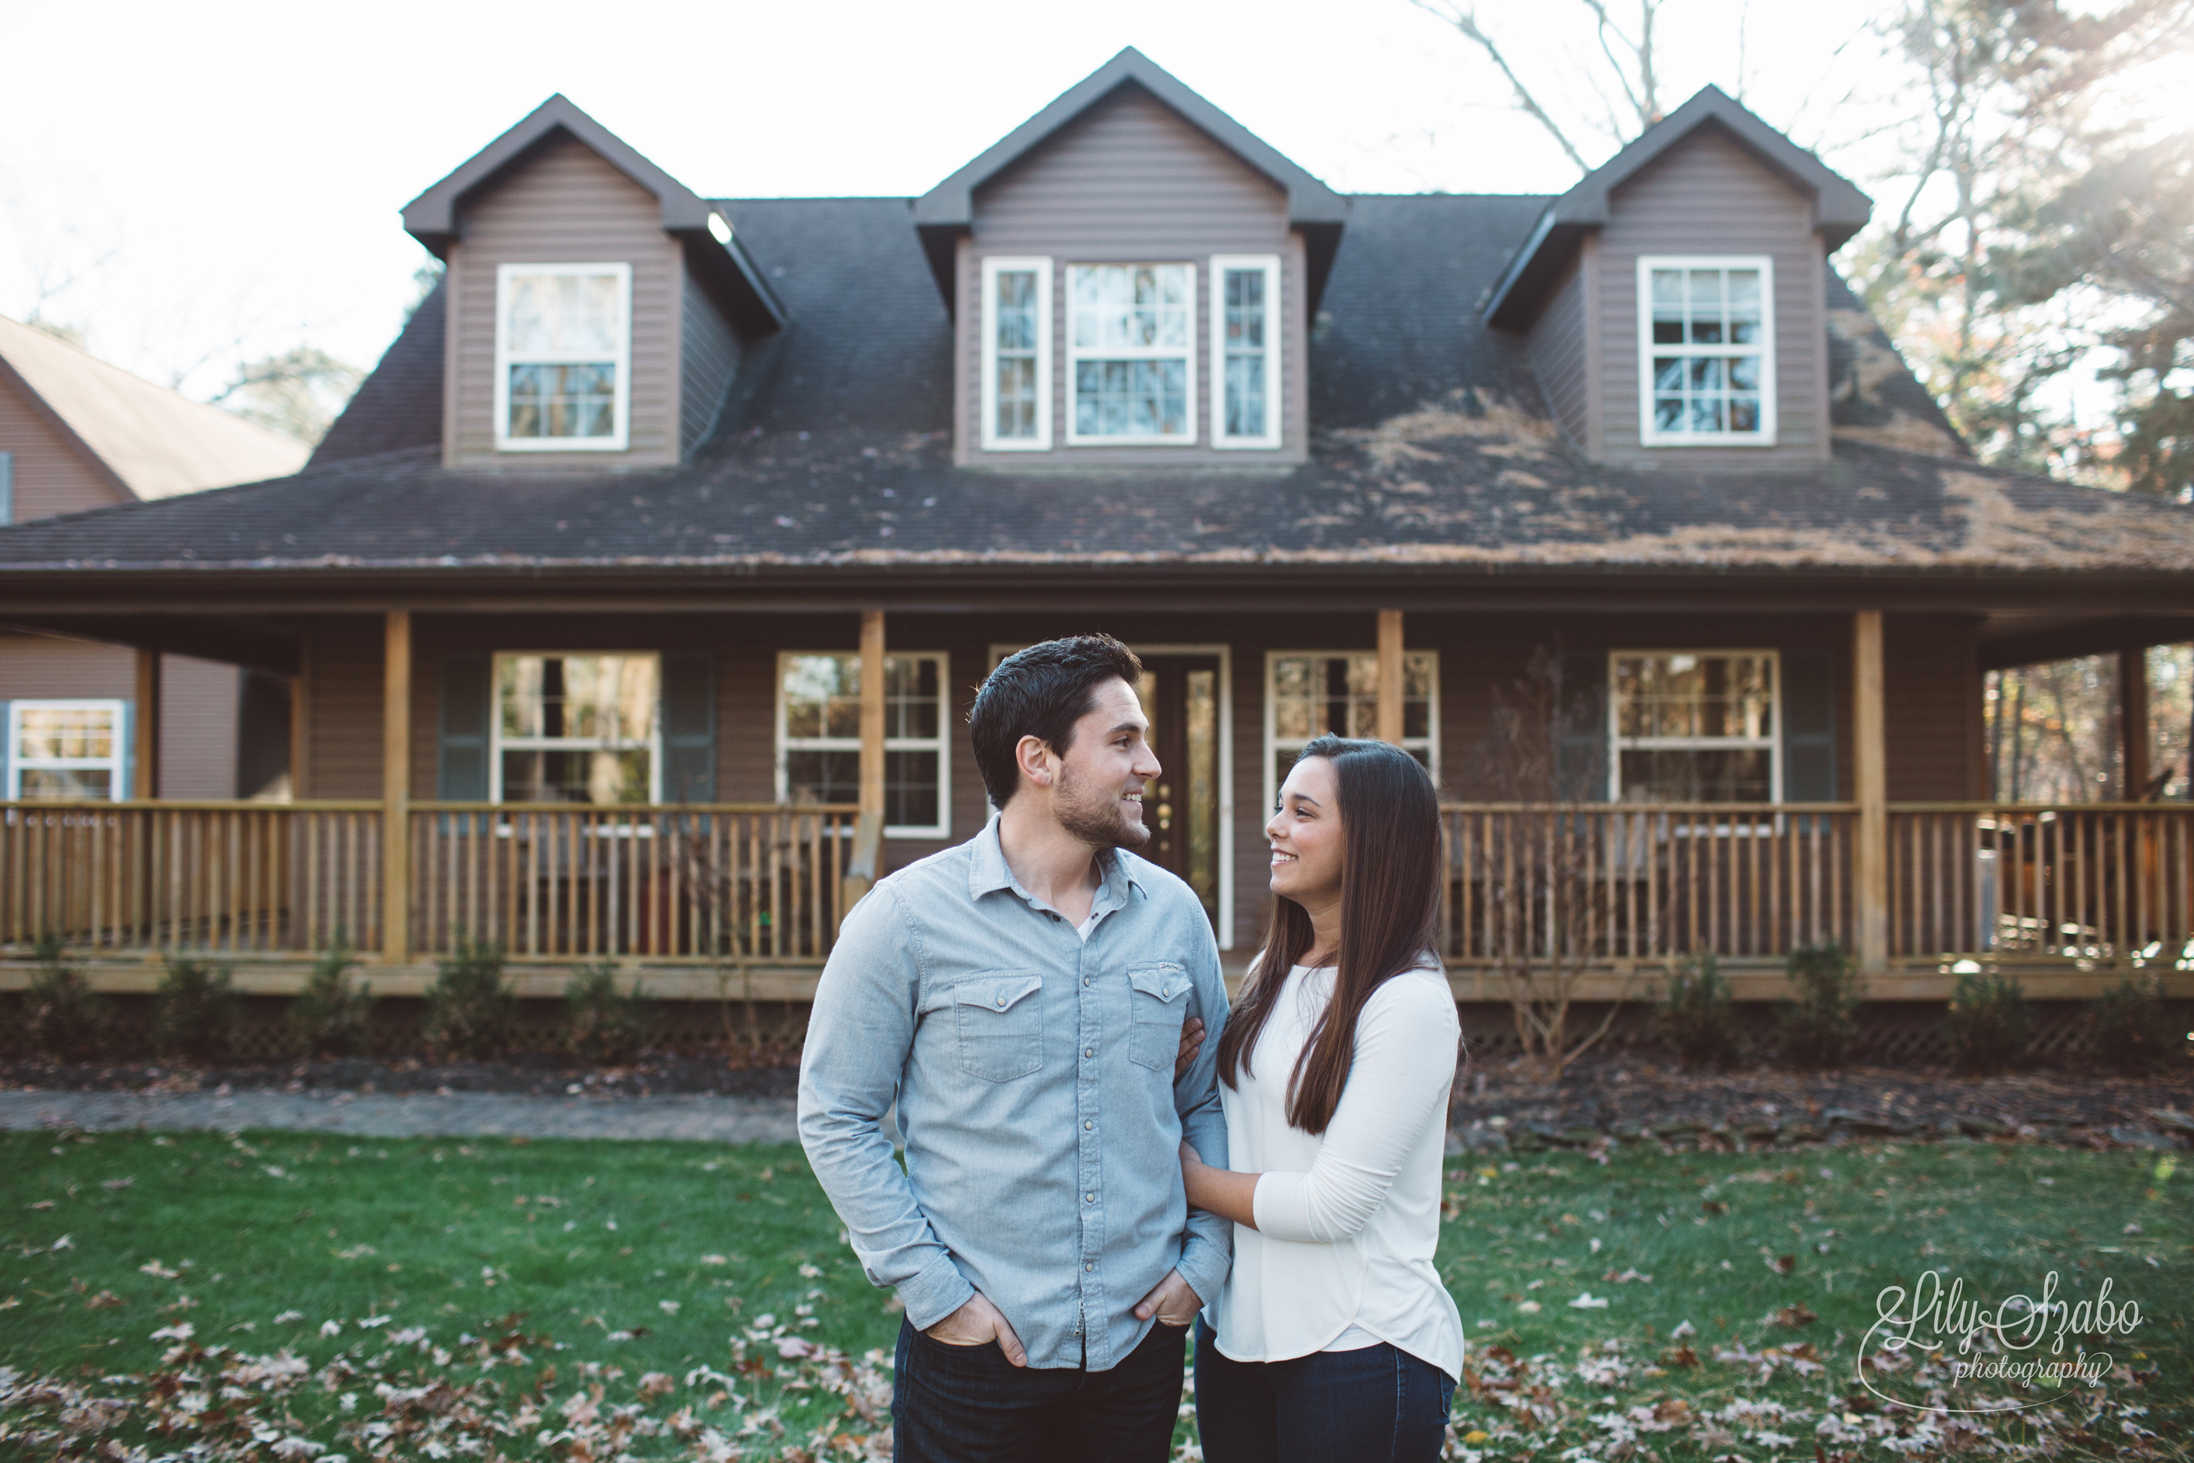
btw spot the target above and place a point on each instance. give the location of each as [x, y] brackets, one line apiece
[198, 720]
[1929, 688]
[344, 689]
[563, 204]
[709, 358]
[1708, 195]
[1557, 349]
[1132, 181]
[50, 666]
[52, 474]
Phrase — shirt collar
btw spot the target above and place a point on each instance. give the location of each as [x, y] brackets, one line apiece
[988, 871]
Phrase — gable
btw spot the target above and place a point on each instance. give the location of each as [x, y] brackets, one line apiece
[1134, 173]
[51, 473]
[1706, 185]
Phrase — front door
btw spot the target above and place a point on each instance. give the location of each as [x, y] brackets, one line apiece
[1180, 695]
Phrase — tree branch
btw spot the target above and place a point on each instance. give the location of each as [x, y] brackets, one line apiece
[1465, 20]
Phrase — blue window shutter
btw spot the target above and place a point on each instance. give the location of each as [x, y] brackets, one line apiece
[7, 487]
[7, 749]
[689, 728]
[1809, 727]
[1580, 752]
[467, 703]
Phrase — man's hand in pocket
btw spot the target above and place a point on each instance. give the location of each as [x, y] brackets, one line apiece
[978, 1323]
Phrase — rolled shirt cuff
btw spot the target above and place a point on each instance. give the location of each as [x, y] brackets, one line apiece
[1204, 1264]
[1282, 1206]
[935, 1292]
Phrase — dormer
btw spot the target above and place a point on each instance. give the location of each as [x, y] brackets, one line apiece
[597, 308]
[1131, 276]
[1672, 303]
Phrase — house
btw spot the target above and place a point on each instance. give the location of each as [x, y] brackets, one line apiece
[78, 434]
[585, 597]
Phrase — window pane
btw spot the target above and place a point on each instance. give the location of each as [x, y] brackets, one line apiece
[564, 315]
[910, 789]
[1706, 416]
[1131, 398]
[1016, 397]
[822, 696]
[823, 777]
[563, 401]
[1745, 306]
[1744, 414]
[64, 784]
[1246, 396]
[910, 698]
[1131, 305]
[52, 732]
[1016, 310]
[1706, 775]
[576, 775]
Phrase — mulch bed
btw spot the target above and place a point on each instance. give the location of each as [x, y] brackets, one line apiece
[534, 1074]
[1620, 1096]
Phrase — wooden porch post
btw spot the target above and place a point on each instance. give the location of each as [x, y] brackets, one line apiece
[396, 791]
[1870, 855]
[868, 832]
[1390, 676]
[146, 748]
[300, 723]
[2133, 721]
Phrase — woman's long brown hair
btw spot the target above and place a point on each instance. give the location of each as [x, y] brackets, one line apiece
[1390, 899]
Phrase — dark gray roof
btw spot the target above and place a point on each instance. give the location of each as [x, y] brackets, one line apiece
[1432, 451]
[1839, 208]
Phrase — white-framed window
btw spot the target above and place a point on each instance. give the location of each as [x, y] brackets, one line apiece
[1309, 693]
[1016, 326]
[819, 736]
[65, 751]
[1694, 726]
[582, 727]
[1131, 354]
[1245, 344]
[1706, 350]
[563, 357]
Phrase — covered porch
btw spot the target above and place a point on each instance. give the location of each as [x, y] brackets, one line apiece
[741, 897]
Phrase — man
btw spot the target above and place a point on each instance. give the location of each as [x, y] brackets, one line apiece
[1023, 997]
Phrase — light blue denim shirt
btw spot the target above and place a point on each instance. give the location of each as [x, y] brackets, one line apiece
[1034, 1077]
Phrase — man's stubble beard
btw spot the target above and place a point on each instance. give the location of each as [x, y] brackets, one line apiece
[1097, 820]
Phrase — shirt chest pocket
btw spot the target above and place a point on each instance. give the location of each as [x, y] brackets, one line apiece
[999, 1016]
[1158, 998]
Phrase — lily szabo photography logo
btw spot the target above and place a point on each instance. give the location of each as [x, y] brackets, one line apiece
[1966, 1355]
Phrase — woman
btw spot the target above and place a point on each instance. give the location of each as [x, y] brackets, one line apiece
[1335, 1339]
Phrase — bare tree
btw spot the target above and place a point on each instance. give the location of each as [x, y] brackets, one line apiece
[1542, 876]
[298, 393]
[1625, 82]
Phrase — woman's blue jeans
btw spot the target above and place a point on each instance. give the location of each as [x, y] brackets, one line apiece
[1377, 1405]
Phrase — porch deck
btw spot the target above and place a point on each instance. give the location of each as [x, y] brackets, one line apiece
[744, 898]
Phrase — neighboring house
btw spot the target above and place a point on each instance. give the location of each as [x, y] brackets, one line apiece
[78, 434]
[625, 510]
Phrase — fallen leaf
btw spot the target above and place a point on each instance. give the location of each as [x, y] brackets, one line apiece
[668, 1307]
[1781, 1264]
[104, 1300]
[121, 1183]
[158, 1270]
[714, 1260]
[1529, 1308]
[1795, 1315]
[180, 1331]
[1586, 1301]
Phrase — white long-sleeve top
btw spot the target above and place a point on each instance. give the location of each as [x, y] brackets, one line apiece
[1347, 1221]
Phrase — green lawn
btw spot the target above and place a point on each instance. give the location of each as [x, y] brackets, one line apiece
[414, 1299]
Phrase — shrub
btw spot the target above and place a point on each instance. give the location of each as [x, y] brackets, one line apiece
[329, 1016]
[1695, 1015]
[602, 1023]
[62, 1015]
[1817, 1028]
[194, 1011]
[1987, 1023]
[469, 1009]
[2129, 1026]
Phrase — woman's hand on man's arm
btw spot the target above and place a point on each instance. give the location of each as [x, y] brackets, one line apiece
[1219, 1191]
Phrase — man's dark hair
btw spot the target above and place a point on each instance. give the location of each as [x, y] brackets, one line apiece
[1040, 692]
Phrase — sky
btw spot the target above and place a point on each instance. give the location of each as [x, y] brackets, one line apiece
[193, 186]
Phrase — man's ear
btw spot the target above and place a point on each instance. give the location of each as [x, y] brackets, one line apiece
[1035, 760]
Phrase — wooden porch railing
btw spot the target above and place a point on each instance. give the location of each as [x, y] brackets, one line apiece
[1613, 884]
[2096, 884]
[223, 877]
[695, 883]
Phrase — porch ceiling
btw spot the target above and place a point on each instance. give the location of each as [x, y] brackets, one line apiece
[251, 642]
[2027, 637]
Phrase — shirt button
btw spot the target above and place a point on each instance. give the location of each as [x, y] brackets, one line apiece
[1089, 1264]
[1089, 1051]
[1089, 1198]
[1085, 980]
[1001, 1000]
[1087, 1125]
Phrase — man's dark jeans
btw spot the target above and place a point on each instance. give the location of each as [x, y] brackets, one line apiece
[1377, 1405]
[968, 1404]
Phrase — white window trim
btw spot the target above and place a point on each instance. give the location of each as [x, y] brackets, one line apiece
[1617, 743]
[993, 266]
[1275, 397]
[1647, 434]
[1000, 650]
[1148, 353]
[1273, 743]
[116, 764]
[497, 742]
[621, 415]
[941, 744]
